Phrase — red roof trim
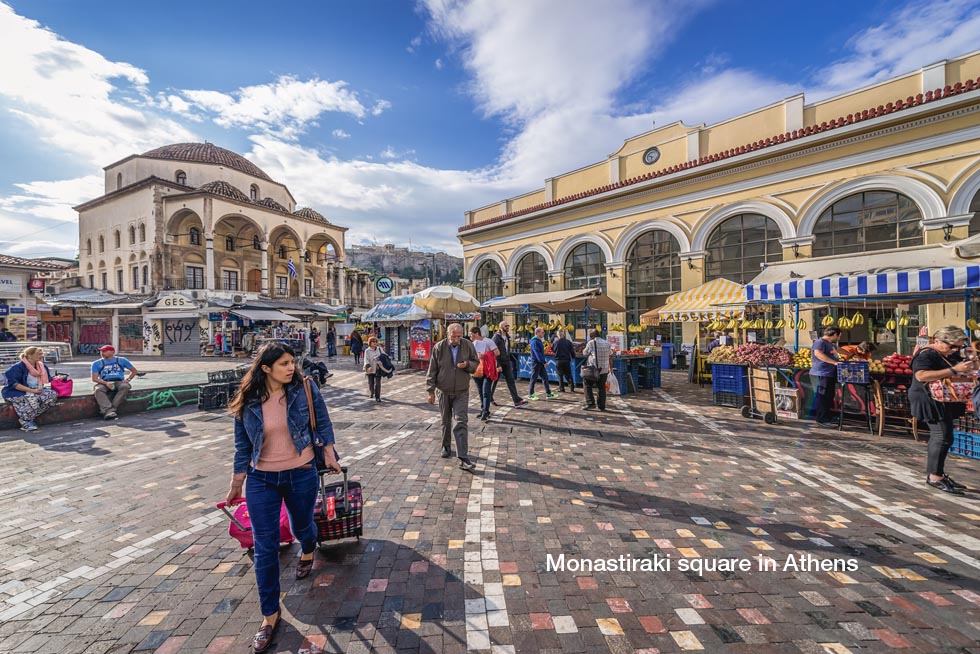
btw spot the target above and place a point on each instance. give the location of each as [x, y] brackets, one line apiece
[850, 119]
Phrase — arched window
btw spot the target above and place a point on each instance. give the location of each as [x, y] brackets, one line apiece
[132, 235]
[864, 222]
[181, 177]
[230, 243]
[489, 281]
[282, 251]
[975, 210]
[532, 274]
[737, 248]
[142, 233]
[253, 193]
[118, 181]
[146, 275]
[101, 244]
[88, 247]
[585, 267]
[255, 243]
[117, 239]
[195, 235]
[653, 272]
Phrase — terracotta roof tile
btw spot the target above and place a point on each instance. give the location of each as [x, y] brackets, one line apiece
[225, 189]
[207, 153]
[310, 214]
[8, 260]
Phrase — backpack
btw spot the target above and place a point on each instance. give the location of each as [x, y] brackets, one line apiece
[385, 366]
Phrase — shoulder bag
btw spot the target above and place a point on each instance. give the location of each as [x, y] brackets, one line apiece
[318, 445]
[951, 389]
[589, 371]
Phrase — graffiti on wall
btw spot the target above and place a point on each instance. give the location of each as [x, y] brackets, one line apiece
[166, 397]
[179, 331]
[93, 336]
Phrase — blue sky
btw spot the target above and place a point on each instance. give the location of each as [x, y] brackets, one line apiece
[394, 117]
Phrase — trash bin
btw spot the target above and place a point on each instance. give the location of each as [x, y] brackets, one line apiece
[681, 359]
[667, 358]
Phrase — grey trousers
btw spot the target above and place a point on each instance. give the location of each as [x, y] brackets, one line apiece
[118, 396]
[449, 406]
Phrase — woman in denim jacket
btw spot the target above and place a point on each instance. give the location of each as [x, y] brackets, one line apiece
[274, 458]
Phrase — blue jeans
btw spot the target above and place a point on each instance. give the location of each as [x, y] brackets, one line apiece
[539, 370]
[485, 388]
[265, 493]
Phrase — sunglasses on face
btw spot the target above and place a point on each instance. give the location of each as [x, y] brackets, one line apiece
[954, 346]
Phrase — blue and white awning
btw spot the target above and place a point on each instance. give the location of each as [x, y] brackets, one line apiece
[929, 270]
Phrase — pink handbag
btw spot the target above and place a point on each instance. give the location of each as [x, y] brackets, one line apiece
[63, 387]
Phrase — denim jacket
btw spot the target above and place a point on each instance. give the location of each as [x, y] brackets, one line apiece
[17, 374]
[249, 428]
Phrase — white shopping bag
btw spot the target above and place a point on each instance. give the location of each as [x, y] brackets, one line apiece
[612, 385]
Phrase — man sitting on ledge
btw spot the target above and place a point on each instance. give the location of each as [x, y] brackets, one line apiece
[109, 376]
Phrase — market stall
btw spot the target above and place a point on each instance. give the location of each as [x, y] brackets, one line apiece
[636, 369]
[268, 325]
[398, 319]
[879, 297]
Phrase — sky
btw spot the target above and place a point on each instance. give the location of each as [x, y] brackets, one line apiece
[394, 117]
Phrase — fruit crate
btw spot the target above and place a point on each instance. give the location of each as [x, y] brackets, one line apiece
[729, 378]
[895, 399]
[212, 396]
[854, 372]
[966, 444]
[223, 376]
[733, 400]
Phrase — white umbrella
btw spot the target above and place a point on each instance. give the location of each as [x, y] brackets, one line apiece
[446, 299]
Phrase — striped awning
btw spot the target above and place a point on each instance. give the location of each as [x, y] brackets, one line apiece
[719, 298]
[928, 270]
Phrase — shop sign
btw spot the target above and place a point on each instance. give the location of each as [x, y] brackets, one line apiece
[384, 285]
[4, 310]
[421, 343]
[63, 315]
[175, 302]
[93, 313]
[11, 284]
[35, 285]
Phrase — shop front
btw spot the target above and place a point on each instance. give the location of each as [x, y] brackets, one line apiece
[56, 324]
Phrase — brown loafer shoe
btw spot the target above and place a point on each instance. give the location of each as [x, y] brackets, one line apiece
[303, 568]
[262, 640]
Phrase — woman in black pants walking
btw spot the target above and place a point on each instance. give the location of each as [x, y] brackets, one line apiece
[939, 361]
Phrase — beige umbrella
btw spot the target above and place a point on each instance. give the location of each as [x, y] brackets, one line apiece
[446, 299]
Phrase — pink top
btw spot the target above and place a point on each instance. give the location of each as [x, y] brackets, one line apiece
[278, 452]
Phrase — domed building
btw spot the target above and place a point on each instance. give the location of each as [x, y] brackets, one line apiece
[206, 223]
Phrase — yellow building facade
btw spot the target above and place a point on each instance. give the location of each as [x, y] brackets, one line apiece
[893, 165]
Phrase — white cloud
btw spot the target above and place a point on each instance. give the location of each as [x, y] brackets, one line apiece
[918, 34]
[414, 44]
[54, 200]
[32, 248]
[76, 100]
[438, 64]
[392, 201]
[340, 134]
[284, 107]
[390, 153]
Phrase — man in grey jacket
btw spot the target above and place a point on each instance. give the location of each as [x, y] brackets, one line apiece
[452, 362]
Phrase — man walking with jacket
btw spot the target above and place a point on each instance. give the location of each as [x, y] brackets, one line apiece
[452, 362]
[538, 363]
[506, 363]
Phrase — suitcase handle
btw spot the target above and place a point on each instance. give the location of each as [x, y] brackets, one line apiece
[323, 491]
[235, 502]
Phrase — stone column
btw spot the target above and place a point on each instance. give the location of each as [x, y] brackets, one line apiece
[341, 276]
[264, 247]
[209, 263]
[794, 249]
[616, 289]
[509, 285]
[947, 313]
[692, 275]
[301, 269]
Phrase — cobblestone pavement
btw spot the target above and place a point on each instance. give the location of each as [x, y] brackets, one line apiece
[110, 541]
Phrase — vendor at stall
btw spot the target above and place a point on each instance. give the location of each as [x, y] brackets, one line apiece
[824, 373]
[860, 352]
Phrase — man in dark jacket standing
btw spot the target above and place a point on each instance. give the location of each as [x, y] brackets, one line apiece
[539, 365]
[506, 363]
[564, 353]
[452, 362]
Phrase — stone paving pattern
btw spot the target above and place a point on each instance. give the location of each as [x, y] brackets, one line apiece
[110, 541]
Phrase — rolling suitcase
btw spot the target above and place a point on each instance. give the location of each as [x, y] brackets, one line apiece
[338, 511]
[240, 527]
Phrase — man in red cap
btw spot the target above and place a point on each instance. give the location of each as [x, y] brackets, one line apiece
[109, 377]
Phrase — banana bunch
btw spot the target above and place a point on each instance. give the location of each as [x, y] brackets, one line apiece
[903, 321]
[973, 324]
[891, 325]
[801, 325]
[827, 321]
[780, 323]
[857, 318]
[844, 323]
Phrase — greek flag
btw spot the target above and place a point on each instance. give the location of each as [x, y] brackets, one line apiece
[292, 268]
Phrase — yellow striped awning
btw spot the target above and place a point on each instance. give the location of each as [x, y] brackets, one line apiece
[719, 298]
